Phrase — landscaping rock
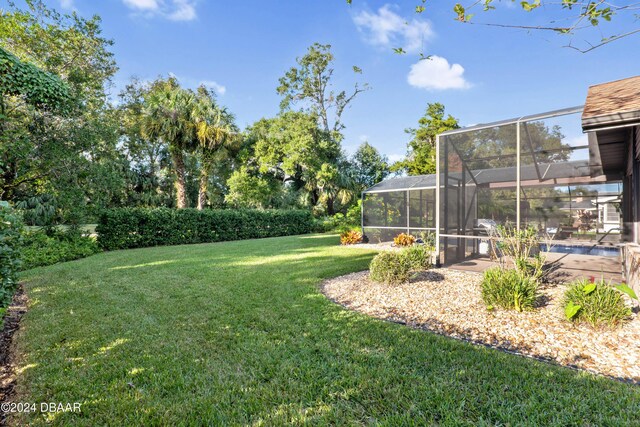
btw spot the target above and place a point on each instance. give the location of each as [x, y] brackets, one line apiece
[449, 302]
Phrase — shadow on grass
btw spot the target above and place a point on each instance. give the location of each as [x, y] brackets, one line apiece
[238, 333]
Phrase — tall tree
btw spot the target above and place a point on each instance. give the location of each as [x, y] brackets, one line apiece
[24, 90]
[421, 155]
[215, 128]
[168, 117]
[296, 150]
[251, 190]
[310, 85]
[189, 123]
[61, 155]
[369, 166]
[148, 157]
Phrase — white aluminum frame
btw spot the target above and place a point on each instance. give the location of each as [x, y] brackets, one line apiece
[438, 184]
[517, 122]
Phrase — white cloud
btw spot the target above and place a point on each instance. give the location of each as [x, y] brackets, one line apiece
[217, 87]
[364, 138]
[185, 10]
[67, 4]
[437, 74]
[388, 29]
[175, 10]
[142, 4]
[395, 157]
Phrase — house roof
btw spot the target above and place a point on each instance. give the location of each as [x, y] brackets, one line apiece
[612, 104]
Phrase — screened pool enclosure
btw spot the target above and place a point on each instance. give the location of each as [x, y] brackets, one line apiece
[537, 171]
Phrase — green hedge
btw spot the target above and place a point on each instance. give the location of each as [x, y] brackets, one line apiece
[11, 230]
[40, 248]
[137, 227]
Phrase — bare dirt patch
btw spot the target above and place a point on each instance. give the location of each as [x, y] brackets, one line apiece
[449, 302]
[7, 368]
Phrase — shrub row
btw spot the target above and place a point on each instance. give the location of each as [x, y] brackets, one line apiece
[138, 227]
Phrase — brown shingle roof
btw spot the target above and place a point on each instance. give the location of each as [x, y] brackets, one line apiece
[612, 102]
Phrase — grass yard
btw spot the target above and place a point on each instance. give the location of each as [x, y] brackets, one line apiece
[237, 333]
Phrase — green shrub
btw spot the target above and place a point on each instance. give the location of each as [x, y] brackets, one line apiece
[394, 267]
[595, 303]
[10, 241]
[523, 247]
[137, 227]
[419, 257]
[508, 289]
[42, 248]
[328, 224]
[391, 267]
[339, 223]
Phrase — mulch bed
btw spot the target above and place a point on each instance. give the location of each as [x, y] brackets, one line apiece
[7, 368]
[449, 302]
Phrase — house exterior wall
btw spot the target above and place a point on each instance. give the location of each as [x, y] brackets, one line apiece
[631, 212]
[631, 265]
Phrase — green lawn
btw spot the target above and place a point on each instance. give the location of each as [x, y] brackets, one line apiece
[238, 333]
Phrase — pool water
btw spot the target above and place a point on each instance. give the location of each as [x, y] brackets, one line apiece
[583, 250]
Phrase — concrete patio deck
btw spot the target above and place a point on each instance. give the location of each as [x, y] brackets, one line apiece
[566, 267]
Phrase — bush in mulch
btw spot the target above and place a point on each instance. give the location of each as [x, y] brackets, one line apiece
[419, 257]
[509, 289]
[598, 303]
[390, 267]
[395, 267]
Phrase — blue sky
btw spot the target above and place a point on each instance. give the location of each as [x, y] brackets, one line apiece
[241, 48]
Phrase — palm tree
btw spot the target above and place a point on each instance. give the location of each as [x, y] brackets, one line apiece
[168, 117]
[214, 130]
[336, 184]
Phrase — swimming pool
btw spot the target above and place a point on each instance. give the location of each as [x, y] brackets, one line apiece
[611, 251]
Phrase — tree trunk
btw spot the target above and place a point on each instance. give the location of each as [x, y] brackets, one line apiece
[179, 169]
[314, 197]
[152, 172]
[330, 208]
[204, 185]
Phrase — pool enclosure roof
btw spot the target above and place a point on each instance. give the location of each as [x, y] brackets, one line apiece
[417, 182]
[569, 172]
[539, 116]
[539, 173]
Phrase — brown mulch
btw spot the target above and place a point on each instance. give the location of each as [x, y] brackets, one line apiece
[7, 368]
[449, 302]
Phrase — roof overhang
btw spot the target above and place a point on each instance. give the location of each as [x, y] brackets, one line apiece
[614, 120]
[611, 111]
[610, 104]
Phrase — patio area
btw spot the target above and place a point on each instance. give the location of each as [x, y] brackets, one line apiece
[563, 267]
[539, 172]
